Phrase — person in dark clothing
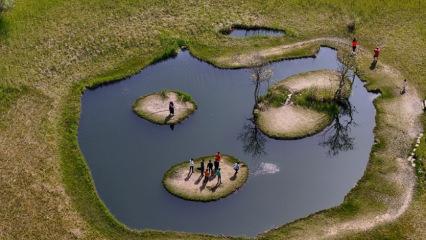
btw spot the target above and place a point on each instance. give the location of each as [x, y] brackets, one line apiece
[202, 167]
[354, 45]
[216, 165]
[210, 166]
[171, 108]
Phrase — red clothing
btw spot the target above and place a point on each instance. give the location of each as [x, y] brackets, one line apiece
[354, 43]
[376, 52]
[217, 157]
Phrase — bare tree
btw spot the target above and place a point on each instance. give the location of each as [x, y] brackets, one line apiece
[260, 72]
[346, 68]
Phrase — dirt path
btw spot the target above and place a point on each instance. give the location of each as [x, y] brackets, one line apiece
[401, 115]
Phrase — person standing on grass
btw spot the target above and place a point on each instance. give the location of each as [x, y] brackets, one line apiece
[376, 54]
[191, 165]
[236, 167]
[354, 45]
[217, 158]
[219, 176]
[210, 166]
[171, 108]
[404, 87]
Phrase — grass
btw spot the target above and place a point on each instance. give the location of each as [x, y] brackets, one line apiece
[275, 97]
[213, 196]
[59, 48]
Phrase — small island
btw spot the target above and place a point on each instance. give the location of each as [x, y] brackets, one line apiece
[155, 107]
[196, 187]
[301, 105]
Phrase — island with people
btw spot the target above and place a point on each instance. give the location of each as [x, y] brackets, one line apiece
[167, 107]
[207, 178]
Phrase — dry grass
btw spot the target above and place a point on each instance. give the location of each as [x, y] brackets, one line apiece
[49, 47]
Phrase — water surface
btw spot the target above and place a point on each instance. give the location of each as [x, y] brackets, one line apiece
[242, 32]
[128, 155]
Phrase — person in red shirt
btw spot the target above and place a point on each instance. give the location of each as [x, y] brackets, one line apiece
[376, 53]
[354, 45]
[217, 158]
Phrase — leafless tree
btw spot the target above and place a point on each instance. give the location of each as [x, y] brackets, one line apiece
[260, 72]
[346, 68]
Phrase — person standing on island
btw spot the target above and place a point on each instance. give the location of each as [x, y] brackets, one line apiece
[171, 108]
[210, 166]
[217, 158]
[202, 167]
[236, 167]
[404, 87]
[376, 54]
[206, 175]
[354, 45]
[191, 165]
[219, 176]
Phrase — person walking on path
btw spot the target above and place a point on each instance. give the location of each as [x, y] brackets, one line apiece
[217, 158]
[404, 87]
[191, 166]
[210, 166]
[219, 176]
[236, 167]
[376, 54]
[354, 45]
[171, 108]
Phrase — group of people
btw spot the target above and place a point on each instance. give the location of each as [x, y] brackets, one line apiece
[212, 168]
[376, 50]
[375, 59]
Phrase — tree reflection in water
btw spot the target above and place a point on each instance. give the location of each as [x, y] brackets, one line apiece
[337, 137]
[253, 139]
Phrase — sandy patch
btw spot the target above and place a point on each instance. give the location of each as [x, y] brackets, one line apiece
[316, 79]
[155, 108]
[193, 186]
[290, 121]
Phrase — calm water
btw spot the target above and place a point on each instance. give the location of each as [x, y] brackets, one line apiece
[291, 179]
[239, 32]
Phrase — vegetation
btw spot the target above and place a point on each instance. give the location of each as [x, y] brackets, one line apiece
[51, 50]
[227, 187]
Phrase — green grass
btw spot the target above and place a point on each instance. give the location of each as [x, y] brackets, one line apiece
[275, 97]
[53, 45]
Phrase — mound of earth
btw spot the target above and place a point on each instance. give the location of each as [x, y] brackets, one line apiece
[196, 187]
[155, 107]
[288, 119]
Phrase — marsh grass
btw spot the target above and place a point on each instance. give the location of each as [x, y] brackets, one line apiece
[53, 45]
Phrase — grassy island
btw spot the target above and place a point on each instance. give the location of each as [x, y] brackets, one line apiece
[301, 105]
[155, 107]
[196, 187]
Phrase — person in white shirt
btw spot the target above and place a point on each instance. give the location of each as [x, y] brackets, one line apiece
[236, 167]
[191, 165]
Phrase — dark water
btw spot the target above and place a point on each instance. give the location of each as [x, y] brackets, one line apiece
[128, 155]
[240, 32]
